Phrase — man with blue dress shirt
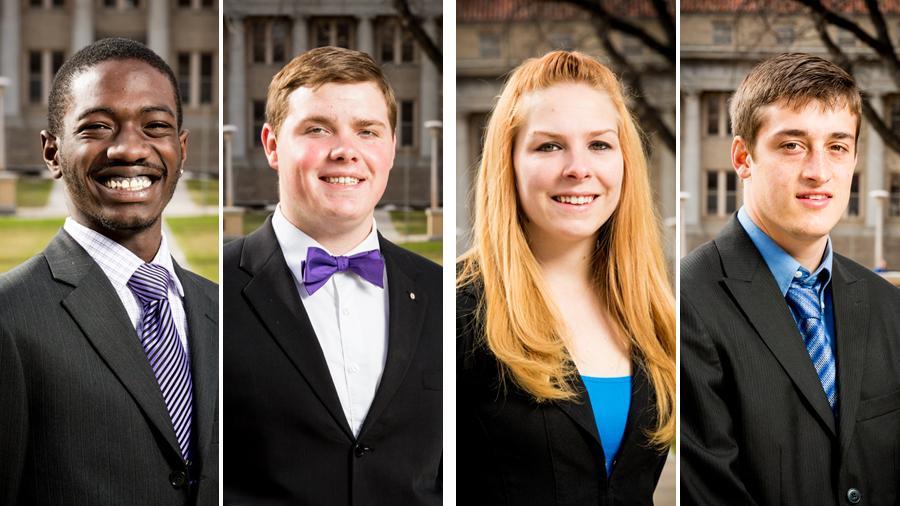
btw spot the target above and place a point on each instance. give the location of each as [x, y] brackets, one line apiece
[790, 352]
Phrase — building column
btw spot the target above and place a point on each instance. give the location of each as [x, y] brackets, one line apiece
[4, 87]
[464, 183]
[430, 82]
[237, 85]
[300, 35]
[82, 24]
[10, 50]
[690, 158]
[874, 175]
[365, 38]
[158, 28]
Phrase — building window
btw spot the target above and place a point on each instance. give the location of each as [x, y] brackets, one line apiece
[854, 205]
[333, 32]
[42, 66]
[46, 4]
[121, 4]
[784, 35]
[269, 39]
[894, 105]
[259, 119]
[894, 205]
[721, 190]
[489, 45]
[195, 4]
[717, 118]
[396, 44]
[407, 124]
[195, 78]
[721, 33]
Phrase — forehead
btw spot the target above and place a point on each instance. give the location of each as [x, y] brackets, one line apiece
[810, 115]
[572, 106]
[339, 101]
[121, 86]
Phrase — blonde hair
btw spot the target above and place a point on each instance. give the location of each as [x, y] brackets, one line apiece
[520, 324]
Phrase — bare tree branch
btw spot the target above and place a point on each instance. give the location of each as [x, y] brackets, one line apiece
[412, 24]
[619, 24]
[650, 118]
[888, 136]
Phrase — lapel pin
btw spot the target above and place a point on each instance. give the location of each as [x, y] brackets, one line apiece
[412, 295]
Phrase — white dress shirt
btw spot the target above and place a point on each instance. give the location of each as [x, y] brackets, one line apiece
[349, 316]
[119, 264]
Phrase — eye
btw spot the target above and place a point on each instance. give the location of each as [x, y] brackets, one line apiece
[791, 146]
[368, 133]
[600, 146]
[317, 130]
[158, 126]
[840, 148]
[547, 147]
[91, 127]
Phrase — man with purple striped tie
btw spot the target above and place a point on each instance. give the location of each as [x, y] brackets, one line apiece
[790, 352]
[108, 348]
[332, 337]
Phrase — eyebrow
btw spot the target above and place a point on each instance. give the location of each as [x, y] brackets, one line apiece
[329, 121]
[795, 132]
[110, 112]
[594, 133]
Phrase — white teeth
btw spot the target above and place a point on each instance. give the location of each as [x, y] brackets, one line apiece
[136, 183]
[342, 180]
[570, 199]
[814, 197]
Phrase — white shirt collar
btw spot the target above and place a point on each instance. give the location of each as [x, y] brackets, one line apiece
[117, 261]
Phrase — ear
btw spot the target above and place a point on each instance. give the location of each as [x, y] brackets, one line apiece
[270, 145]
[182, 139]
[393, 150]
[740, 157]
[50, 150]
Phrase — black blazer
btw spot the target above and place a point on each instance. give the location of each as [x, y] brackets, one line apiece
[514, 451]
[288, 439]
[82, 419]
[755, 425]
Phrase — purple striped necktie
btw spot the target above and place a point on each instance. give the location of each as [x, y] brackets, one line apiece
[167, 357]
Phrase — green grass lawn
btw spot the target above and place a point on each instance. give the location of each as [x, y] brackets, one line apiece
[204, 192]
[432, 250]
[23, 238]
[253, 220]
[409, 222]
[198, 238]
[33, 192]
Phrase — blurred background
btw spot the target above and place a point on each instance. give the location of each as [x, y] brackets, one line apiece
[721, 40]
[36, 36]
[403, 37]
[635, 38]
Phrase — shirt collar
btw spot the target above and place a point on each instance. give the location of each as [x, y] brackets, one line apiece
[783, 266]
[117, 261]
[295, 242]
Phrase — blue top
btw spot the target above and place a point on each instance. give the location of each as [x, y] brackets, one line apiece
[785, 268]
[610, 399]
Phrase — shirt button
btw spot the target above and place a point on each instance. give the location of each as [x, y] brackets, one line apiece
[345, 311]
[354, 368]
[854, 496]
[798, 274]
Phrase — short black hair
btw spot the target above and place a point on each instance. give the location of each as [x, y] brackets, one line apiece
[115, 48]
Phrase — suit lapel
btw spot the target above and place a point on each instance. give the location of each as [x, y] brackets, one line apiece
[94, 306]
[271, 293]
[753, 287]
[202, 329]
[406, 314]
[580, 411]
[851, 316]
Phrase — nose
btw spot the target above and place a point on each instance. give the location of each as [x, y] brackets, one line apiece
[817, 169]
[343, 151]
[577, 164]
[128, 145]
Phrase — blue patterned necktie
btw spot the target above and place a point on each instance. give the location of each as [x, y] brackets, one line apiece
[803, 297]
[167, 357]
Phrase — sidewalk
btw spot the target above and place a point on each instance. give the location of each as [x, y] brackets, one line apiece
[387, 229]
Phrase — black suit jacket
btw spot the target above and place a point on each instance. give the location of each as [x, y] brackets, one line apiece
[288, 439]
[756, 427]
[82, 418]
[514, 451]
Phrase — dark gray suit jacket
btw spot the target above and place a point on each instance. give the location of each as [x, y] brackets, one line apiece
[82, 419]
[755, 425]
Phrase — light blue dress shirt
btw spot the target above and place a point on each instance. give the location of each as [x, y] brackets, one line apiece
[785, 268]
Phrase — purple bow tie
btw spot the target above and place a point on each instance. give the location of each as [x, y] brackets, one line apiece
[320, 266]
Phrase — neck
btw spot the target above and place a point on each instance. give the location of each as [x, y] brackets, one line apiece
[143, 243]
[808, 252]
[564, 261]
[337, 240]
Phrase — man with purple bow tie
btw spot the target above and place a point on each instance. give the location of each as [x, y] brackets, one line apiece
[332, 334]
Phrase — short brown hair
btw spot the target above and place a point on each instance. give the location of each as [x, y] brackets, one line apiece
[795, 79]
[320, 66]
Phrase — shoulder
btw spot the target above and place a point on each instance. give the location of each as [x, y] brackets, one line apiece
[24, 279]
[700, 265]
[875, 283]
[231, 252]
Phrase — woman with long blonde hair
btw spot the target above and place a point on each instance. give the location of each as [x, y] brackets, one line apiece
[565, 317]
